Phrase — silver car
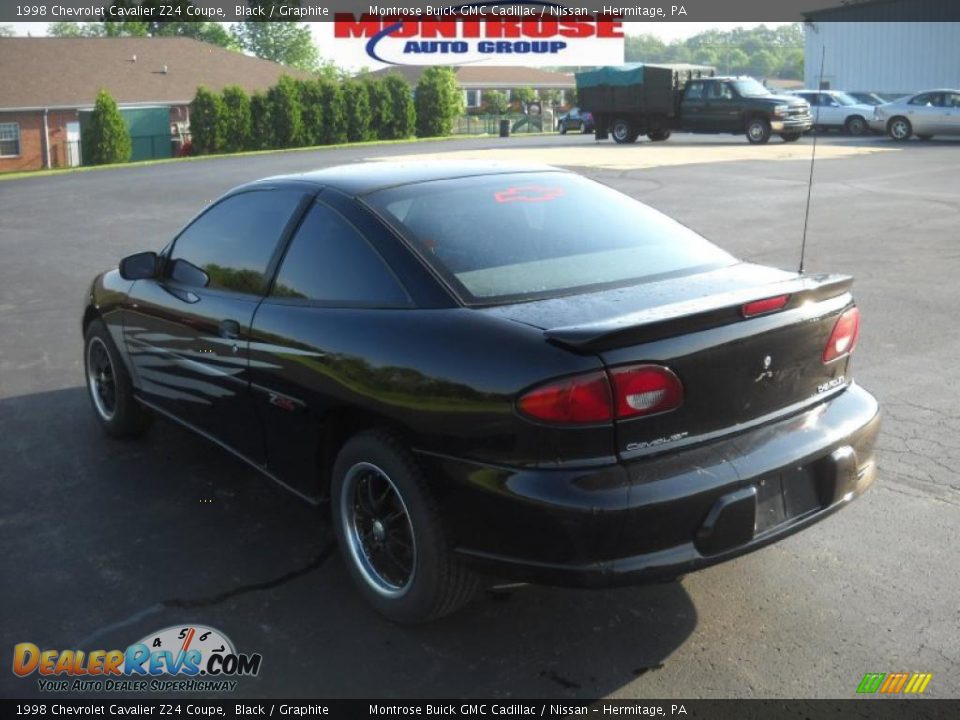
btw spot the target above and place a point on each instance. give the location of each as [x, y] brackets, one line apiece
[929, 113]
[837, 110]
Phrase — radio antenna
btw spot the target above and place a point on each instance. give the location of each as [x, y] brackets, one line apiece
[813, 158]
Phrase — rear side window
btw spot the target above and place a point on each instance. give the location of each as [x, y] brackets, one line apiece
[931, 99]
[330, 261]
[694, 91]
[229, 247]
[515, 236]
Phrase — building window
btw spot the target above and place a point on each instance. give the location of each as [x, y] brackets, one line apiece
[9, 139]
[474, 98]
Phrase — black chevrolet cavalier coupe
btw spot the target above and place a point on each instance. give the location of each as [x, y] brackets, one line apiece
[496, 371]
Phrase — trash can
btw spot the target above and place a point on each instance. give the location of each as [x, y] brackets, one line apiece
[504, 128]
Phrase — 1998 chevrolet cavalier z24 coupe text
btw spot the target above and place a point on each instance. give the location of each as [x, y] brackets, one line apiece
[486, 370]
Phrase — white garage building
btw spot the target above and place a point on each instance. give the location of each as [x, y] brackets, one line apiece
[885, 46]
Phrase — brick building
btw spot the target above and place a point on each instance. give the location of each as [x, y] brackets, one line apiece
[50, 83]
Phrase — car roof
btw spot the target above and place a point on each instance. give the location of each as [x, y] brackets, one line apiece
[366, 177]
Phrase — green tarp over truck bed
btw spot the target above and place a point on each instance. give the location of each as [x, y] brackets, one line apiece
[635, 88]
[613, 75]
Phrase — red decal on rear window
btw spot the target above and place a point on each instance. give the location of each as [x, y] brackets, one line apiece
[528, 193]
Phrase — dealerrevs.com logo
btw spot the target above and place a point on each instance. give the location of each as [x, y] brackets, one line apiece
[522, 33]
[176, 659]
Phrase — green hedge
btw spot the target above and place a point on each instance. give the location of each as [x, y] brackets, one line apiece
[322, 111]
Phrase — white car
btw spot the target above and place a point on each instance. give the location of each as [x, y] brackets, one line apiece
[837, 110]
[929, 113]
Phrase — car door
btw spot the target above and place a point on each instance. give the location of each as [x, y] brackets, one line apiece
[951, 102]
[926, 113]
[722, 112]
[829, 111]
[693, 106]
[187, 331]
[315, 337]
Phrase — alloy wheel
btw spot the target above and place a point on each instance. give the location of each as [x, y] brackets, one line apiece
[101, 378]
[900, 129]
[378, 530]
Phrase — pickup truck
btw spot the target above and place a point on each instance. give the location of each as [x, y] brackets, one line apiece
[653, 100]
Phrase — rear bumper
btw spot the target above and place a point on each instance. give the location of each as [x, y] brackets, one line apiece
[660, 517]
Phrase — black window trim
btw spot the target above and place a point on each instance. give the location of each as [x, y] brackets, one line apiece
[309, 194]
[271, 299]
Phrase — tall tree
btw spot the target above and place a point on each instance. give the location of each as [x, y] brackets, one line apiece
[761, 50]
[261, 124]
[286, 113]
[209, 32]
[170, 8]
[356, 103]
[312, 110]
[438, 101]
[6, 31]
[106, 138]
[335, 113]
[381, 110]
[403, 115]
[236, 118]
[70, 29]
[287, 43]
[206, 122]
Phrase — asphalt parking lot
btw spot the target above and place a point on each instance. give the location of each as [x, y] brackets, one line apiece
[105, 542]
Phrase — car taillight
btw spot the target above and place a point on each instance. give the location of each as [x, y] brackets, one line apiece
[636, 390]
[645, 390]
[843, 339]
[581, 399]
[762, 307]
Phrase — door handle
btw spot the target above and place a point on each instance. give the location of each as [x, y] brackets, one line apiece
[229, 329]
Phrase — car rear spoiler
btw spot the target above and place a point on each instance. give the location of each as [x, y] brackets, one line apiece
[694, 315]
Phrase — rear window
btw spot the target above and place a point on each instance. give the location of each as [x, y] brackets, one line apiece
[503, 238]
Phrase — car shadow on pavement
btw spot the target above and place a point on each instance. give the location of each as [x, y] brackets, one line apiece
[125, 538]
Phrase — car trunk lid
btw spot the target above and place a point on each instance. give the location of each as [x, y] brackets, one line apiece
[736, 371]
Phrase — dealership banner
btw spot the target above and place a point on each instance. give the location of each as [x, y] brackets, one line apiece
[478, 34]
[327, 11]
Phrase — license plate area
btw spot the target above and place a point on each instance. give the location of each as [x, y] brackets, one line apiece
[787, 495]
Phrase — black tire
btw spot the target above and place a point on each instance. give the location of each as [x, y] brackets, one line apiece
[659, 135]
[563, 128]
[622, 131]
[436, 584]
[791, 137]
[758, 130]
[899, 128]
[856, 125]
[924, 136]
[109, 386]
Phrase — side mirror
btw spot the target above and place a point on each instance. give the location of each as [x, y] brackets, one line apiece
[141, 266]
